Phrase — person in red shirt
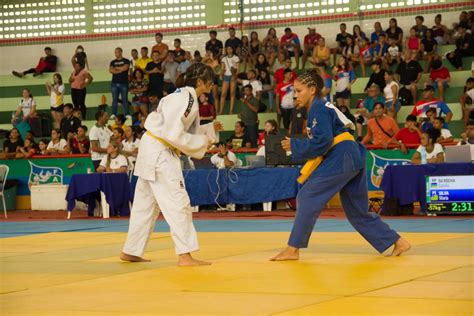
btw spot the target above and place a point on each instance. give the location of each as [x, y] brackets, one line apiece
[439, 78]
[80, 143]
[290, 43]
[279, 75]
[207, 112]
[310, 41]
[409, 135]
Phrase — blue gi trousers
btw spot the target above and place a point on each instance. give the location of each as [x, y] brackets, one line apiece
[352, 186]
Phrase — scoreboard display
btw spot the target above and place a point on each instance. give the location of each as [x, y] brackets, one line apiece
[450, 194]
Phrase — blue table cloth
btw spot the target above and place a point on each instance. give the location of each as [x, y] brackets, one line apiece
[407, 183]
[86, 188]
[241, 186]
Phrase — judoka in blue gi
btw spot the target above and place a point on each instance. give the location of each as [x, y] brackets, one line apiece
[342, 170]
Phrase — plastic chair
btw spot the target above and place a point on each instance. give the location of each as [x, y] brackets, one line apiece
[3, 180]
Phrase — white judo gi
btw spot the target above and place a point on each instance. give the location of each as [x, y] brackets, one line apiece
[160, 183]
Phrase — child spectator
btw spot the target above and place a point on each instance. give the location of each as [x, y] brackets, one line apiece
[138, 87]
[114, 161]
[248, 114]
[46, 64]
[428, 121]
[207, 112]
[393, 54]
[290, 43]
[130, 145]
[279, 75]
[409, 135]
[429, 151]
[439, 77]
[58, 145]
[42, 148]
[270, 128]
[11, 144]
[284, 92]
[381, 47]
[80, 143]
[27, 150]
[380, 128]
[345, 78]
[239, 138]
[446, 136]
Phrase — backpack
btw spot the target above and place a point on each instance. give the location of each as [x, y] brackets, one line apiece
[404, 96]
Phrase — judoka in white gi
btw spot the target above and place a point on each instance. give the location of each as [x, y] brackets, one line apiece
[173, 128]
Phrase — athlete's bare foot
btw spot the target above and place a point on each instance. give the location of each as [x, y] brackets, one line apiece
[401, 245]
[290, 253]
[186, 260]
[130, 258]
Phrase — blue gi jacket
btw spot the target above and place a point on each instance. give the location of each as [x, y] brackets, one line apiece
[324, 123]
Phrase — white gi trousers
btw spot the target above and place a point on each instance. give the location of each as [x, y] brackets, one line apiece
[168, 195]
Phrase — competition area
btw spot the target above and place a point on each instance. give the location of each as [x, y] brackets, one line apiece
[72, 268]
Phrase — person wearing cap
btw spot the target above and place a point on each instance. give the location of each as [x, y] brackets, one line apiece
[378, 75]
[310, 41]
[428, 102]
[290, 43]
[409, 135]
[464, 48]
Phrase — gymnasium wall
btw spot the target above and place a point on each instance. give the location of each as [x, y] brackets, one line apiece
[26, 27]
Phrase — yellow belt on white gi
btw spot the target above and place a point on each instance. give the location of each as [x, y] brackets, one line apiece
[311, 165]
[164, 142]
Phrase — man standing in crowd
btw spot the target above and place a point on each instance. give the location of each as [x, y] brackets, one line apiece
[214, 45]
[119, 70]
[155, 75]
[160, 47]
[234, 42]
[99, 136]
[248, 114]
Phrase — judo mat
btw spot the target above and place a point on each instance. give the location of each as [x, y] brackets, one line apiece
[72, 268]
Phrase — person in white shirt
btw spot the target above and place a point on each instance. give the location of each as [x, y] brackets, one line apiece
[99, 137]
[57, 145]
[114, 161]
[446, 136]
[429, 151]
[173, 128]
[130, 145]
[225, 158]
[27, 107]
[468, 138]
[56, 92]
[230, 65]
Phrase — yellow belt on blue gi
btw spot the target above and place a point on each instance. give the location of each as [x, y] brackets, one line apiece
[311, 165]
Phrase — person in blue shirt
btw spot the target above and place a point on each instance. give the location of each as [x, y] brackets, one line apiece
[342, 170]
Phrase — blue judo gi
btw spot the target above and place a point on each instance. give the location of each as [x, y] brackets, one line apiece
[343, 171]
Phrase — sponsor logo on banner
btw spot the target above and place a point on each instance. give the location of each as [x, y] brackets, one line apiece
[40, 175]
[378, 168]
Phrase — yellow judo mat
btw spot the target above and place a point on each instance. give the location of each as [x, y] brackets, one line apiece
[78, 273]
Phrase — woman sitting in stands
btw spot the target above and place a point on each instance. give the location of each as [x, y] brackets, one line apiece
[42, 148]
[28, 149]
[11, 144]
[79, 142]
[114, 161]
[429, 151]
[130, 144]
[58, 145]
[270, 128]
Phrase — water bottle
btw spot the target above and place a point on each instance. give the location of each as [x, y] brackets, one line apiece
[423, 156]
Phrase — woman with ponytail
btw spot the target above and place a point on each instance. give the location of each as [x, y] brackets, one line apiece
[336, 164]
[115, 161]
[173, 128]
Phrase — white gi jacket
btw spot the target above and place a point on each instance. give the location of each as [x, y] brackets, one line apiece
[176, 120]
